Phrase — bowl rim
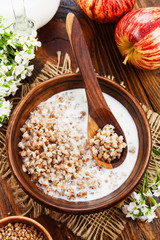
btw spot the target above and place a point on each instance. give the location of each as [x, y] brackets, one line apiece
[76, 209]
[30, 221]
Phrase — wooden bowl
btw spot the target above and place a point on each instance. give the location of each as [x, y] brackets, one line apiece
[44, 91]
[28, 221]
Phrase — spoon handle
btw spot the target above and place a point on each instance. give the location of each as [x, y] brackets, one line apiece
[94, 94]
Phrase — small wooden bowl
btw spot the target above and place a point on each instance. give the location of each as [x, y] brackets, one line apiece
[44, 91]
[28, 221]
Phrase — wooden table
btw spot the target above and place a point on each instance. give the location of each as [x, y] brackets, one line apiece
[144, 85]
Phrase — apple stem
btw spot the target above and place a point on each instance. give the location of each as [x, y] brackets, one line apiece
[131, 49]
[126, 59]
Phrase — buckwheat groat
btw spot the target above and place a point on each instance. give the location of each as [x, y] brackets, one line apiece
[106, 144]
[19, 231]
[56, 154]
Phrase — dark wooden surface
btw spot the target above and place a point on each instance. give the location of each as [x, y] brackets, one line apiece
[144, 85]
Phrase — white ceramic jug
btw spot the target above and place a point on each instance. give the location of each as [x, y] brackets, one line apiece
[38, 11]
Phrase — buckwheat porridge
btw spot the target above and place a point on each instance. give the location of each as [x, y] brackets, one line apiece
[106, 144]
[56, 154]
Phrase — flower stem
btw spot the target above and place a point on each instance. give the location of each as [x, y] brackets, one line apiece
[156, 161]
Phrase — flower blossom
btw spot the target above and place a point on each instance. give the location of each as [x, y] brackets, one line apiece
[144, 205]
[156, 189]
[16, 53]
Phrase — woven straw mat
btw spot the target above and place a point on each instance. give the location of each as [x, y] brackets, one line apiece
[108, 223]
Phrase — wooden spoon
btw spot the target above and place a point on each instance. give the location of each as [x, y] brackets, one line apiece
[99, 114]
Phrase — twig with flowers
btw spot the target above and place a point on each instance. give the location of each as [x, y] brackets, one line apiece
[16, 52]
[144, 204]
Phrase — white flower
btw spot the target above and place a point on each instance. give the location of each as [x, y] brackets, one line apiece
[13, 88]
[27, 57]
[39, 44]
[132, 207]
[32, 41]
[23, 74]
[23, 39]
[5, 107]
[130, 210]
[148, 193]
[1, 52]
[127, 212]
[20, 70]
[4, 91]
[9, 79]
[34, 33]
[15, 56]
[138, 209]
[1, 31]
[4, 69]
[152, 185]
[156, 190]
[19, 57]
[142, 212]
[144, 208]
[25, 47]
[125, 209]
[143, 218]
[8, 30]
[151, 215]
[137, 197]
[131, 216]
[29, 70]
[11, 43]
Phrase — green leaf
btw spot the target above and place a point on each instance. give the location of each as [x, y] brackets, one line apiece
[140, 214]
[1, 118]
[155, 151]
[7, 85]
[154, 201]
[155, 180]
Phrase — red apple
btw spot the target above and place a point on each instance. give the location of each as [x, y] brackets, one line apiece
[106, 10]
[137, 36]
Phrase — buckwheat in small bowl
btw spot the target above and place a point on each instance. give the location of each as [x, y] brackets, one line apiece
[20, 227]
[48, 150]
